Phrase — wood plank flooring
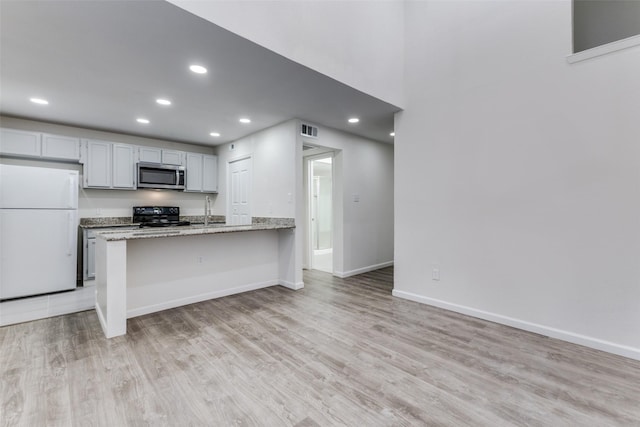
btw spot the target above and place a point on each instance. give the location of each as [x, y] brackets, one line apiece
[338, 352]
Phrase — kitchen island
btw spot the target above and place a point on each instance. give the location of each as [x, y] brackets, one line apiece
[141, 271]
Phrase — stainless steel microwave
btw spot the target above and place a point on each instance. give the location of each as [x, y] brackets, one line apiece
[154, 175]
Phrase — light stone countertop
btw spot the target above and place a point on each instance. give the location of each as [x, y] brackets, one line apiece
[125, 221]
[194, 230]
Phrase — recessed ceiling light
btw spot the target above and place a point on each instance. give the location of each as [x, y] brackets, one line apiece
[214, 134]
[392, 134]
[199, 69]
[143, 121]
[244, 120]
[163, 101]
[39, 101]
[354, 120]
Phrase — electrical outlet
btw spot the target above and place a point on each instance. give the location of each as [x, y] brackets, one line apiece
[435, 274]
[200, 260]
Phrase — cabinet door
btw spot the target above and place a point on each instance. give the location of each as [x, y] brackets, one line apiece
[20, 143]
[172, 157]
[90, 266]
[210, 174]
[123, 166]
[194, 172]
[60, 147]
[97, 169]
[150, 154]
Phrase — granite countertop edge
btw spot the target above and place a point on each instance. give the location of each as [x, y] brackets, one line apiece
[125, 221]
[194, 230]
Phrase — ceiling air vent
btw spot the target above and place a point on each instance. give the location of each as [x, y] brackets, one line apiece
[308, 130]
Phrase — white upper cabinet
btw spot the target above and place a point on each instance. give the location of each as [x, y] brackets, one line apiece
[109, 165]
[150, 154]
[173, 157]
[60, 147]
[202, 173]
[97, 166]
[157, 155]
[194, 172]
[124, 176]
[209, 174]
[20, 143]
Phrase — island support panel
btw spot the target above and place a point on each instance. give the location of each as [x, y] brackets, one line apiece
[111, 286]
[140, 276]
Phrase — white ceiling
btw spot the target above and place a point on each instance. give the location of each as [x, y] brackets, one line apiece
[102, 64]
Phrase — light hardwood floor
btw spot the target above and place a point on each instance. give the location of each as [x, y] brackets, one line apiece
[338, 352]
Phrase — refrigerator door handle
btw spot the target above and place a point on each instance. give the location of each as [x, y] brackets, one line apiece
[72, 194]
[70, 221]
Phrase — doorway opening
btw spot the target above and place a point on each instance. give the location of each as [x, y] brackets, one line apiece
[320, 207]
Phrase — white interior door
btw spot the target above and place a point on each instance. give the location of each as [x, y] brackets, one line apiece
[239, 182]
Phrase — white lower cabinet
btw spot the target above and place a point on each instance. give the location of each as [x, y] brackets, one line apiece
[108, 165]
[202, 173]
[89, 249]
[90, 269]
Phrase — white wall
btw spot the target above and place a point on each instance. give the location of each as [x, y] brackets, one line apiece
[518, 174]
[359, 43]
[198, 268]
[273, 151]
[115, 203]
[277, 163]
[364, 229]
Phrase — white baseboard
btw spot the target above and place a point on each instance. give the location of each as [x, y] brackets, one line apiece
[44, 306]
[291, 285]
[198, 298]
[343, 274]
[598, 344]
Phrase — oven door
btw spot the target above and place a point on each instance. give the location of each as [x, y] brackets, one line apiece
[151, 175]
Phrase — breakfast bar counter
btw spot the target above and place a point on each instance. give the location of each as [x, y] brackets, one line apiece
[141, 271]
[194, 230]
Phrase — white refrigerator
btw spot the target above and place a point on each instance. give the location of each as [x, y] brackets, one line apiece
[38, 230]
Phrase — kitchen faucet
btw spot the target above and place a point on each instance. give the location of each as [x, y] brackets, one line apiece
[207, 209]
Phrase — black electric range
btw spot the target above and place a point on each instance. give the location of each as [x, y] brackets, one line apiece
[158, 216]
